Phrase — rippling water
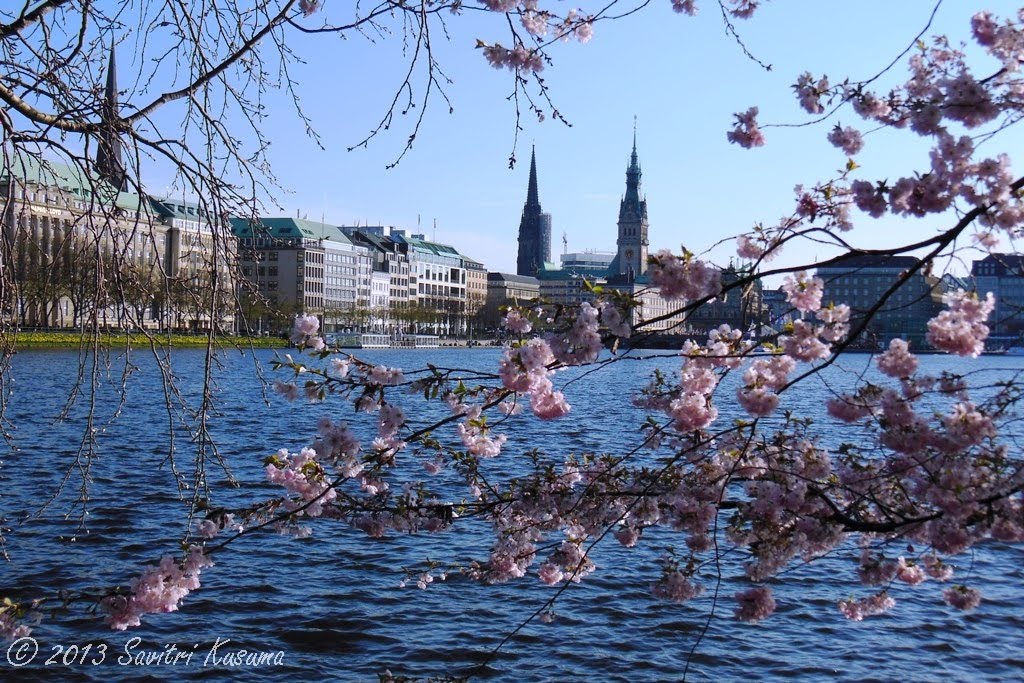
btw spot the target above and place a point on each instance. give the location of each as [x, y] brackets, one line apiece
[332, 603]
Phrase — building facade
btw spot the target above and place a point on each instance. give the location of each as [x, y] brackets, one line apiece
[294, 266]
[437, 278]
[1003, 275]
[506, 289]
[84, 253]
[861, 281]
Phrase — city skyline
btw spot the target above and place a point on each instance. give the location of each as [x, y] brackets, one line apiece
[701, 189]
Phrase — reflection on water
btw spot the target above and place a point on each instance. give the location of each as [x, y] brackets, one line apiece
[332, 603]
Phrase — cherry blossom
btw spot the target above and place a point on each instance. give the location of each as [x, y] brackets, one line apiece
[683, 277]
[803, 292]
[961, 328]
[746, 132]
[847, 139]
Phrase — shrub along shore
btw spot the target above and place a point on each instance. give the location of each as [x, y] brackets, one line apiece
[78, 338]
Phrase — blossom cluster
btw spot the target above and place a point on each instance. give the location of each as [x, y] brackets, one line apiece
[303, 475]
[519, 58]
[683, 277]
[158, 589]
[961, 328]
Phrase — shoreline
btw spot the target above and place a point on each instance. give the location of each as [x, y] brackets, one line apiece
[27, 340]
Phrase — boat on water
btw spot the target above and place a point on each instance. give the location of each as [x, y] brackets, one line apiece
[1005, 351]
[369, 340]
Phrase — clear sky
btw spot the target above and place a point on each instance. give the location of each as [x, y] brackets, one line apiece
[682, 77]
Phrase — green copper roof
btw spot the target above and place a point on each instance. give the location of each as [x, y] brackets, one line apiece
[179, 208]
[29, 168]
[289, 228]
[430, 247]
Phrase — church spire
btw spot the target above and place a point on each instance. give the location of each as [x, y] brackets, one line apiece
[634, 163]
[633, 199]
[532, 196]
[109, 162]
[534, 228]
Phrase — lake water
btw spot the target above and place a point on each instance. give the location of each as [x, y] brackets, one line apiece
[332, 603]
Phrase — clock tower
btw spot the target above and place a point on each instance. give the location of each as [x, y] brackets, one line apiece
[633, 241]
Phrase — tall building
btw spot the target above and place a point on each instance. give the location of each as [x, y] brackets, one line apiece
[545, 239]
[860, 281]
[505, 289]
[437, 285]
[534, 229]
[1003, 275]
[301, 266]
[631, 260]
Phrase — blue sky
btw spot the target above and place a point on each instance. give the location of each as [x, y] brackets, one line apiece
[682, 77]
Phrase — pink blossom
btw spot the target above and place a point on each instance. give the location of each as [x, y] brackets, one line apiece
[367, 404]
[985, 28]
[856, 610]
[968, 101]
[897, 361]
[909, 572]
[550, 573]
[385, 376]
[803, 344]
[10, 629]
[685, 6]
[967, 426]
[936, 568]
[158, 589]
[803, 292]
[962, 597]
[535, 23]
[869, 105]
[676, 587]
[584, 31]
[304, 327]
[549, 405]
[340, 367]
[869, 198]
[518, 58]
[515, 322]
[836, 319]
[847, 139]
[692, 411]
[683, 278]
[961, 329]
[390, 420]
[745, 132]
[500, 5]
[308, 7]
[614, 321]
[207, 528]
[476, 437]
[581, 343]
[288, 390]
[809, 92]
[755, 604]
[303, 475]
[758, 401]
[847, 409]
[746, 248]
[627, 535]
[744, 9]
